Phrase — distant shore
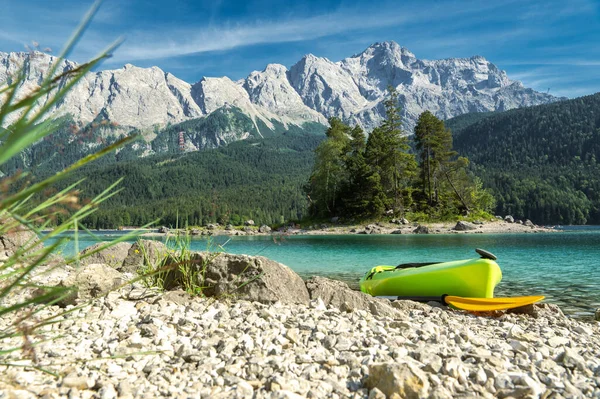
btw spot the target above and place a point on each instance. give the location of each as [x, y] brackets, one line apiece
[491, 227]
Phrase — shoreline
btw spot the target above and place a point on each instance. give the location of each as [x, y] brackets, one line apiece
[493, 227]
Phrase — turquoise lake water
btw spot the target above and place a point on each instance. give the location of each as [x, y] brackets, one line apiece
[565, 267]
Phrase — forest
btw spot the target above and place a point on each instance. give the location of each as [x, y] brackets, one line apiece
[540, 162]
[369, 178]
[259, 179]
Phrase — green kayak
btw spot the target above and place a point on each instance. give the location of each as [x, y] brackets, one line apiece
[475, 278]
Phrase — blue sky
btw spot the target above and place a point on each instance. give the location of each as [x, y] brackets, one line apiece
[548, 45]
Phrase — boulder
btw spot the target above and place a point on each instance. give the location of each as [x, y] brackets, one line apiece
[396, 232]
[264, 229]
[14, 237]
[142, 254]
[211, 226]
[518, 221]
[249, 222]
[229, 227]
[253, 278]
[509, 219]
[195, 232]
[395, 221]
[338, 294]
[398, 380]
[404, 221]
[528, 223]
[112, 256]
[421, 230]
[91, 281]
[464, 226]
[163, 230]
[372, 229]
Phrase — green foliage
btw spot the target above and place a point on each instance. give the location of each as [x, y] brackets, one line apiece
[180, 267]
[387, 153]
[434, 143]
[361, 178]
[259, 179]
[24, 208]
[540, 162]
[329, 174]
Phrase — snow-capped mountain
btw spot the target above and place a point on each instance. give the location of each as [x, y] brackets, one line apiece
[312, 90]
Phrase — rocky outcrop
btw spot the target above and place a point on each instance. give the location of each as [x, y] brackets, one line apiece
[16, 237]
[264, 229]
[91, 281]
[253, 278]
[509, 219]
[144, 253]
[338, 294]
[421, 230]
[112, 256]
[464, 226]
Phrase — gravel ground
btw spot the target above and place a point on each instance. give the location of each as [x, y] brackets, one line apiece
[138, 344]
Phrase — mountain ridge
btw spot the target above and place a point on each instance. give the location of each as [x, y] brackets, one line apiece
[312, 90]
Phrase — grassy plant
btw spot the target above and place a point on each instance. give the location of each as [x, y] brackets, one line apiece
[180, 267]
[25, 210]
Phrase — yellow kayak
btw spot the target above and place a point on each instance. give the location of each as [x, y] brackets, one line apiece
[474, 278]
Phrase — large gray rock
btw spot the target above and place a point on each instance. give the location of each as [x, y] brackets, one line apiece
[464, 226]
[421, 230]
[338, 294]
[91, 281]
[112, 256]
[264, 229]
[400, 380]
[509, 219]
[253, 278]
[15, 237]
[144, 253]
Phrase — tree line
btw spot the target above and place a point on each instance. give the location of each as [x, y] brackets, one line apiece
[540, 162]
[356, 176]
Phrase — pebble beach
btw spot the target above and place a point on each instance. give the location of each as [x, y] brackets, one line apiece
[278, 337]
[137, 343]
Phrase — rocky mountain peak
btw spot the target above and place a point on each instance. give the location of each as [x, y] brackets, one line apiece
[313, 89]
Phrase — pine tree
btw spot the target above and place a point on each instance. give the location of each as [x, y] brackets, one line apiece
[434, 144]
[358, 190]
[329, 174]
[387, 152]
